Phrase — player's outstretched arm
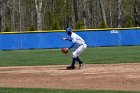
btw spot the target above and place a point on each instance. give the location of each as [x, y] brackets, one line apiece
[67, 39]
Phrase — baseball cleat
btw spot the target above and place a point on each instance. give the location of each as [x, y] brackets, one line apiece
[70, 67]
[81, 66]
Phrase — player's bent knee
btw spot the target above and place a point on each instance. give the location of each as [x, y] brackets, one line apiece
[85, 46]
[74, 55]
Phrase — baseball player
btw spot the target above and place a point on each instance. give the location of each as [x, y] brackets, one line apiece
[75, 39]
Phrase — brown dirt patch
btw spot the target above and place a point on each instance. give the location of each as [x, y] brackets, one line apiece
[92, 76]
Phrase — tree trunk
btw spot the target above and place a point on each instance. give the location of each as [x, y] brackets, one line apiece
[0, 15]
[75, 11]
[20, 16]
[136, 17]
[13, 16]
[110, 12]
[84, 14]
[103, 12]
[38, 9]
[67, 14]
[119, 13]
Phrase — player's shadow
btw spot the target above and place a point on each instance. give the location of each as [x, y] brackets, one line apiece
[67, 69]
[62, 69]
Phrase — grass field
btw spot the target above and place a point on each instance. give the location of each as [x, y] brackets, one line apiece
[96, 55]
[28, 90]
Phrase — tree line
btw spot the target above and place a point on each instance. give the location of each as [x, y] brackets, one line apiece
[32, 15]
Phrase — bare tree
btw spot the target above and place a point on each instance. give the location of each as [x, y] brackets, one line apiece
[20, 22]
[38, 9]
[75, 11]
[13, 15]
[136, 15]
[84, 14]
[103, 12]
[119, 3]
[67, 14]
[110, 12]
[0, 15]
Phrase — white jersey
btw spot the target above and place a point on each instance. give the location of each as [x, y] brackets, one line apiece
[77, 39]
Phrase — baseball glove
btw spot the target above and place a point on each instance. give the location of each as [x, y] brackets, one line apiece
[65, 50]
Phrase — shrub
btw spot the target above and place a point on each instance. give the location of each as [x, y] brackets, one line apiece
[7, 28]
[55, 26]
[31, 28]
[79, 25]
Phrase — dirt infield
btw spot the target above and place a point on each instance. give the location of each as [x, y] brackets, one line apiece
[92, 76]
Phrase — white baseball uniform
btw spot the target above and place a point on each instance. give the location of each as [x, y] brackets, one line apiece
[82, 45]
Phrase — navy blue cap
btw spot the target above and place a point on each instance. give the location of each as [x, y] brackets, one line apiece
[68, 29]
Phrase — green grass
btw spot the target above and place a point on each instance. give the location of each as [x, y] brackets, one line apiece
[109, 55]
[28, 90]
[96, 55]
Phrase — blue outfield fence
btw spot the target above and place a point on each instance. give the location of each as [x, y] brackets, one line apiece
[40, 40]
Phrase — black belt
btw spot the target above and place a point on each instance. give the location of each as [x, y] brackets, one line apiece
[81, 44]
